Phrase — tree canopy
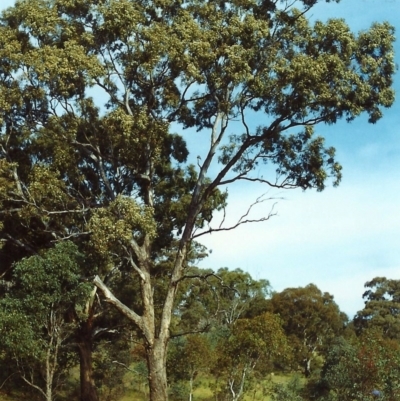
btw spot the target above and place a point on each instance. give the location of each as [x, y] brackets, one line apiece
[382, 307]
[250, 345]
[366, 368]
[311, 320]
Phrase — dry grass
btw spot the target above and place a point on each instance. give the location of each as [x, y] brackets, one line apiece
[139, 391]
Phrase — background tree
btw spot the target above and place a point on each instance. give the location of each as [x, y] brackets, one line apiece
[250, 344]
[311, 320]
[291, 391]
[189, 356]
[33, 324]
[220, 298]
[111, 361]
[111, 174]
[240, 295]
[357, 369]
[382, 307]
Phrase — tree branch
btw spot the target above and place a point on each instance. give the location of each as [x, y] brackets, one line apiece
[242, 220]
[4, 382]
[110, 298]
[185, 333]
[30, 383]
[283, 185]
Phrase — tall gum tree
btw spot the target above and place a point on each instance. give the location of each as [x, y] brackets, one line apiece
[89, 92]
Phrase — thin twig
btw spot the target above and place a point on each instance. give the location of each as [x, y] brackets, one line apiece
[243, 220]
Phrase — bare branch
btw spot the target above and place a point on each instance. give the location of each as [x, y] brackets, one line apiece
[283, 185]
[110, 298]
[4, 382]
[243, 219]
[30, 383]
[185, 333]
[136, 268]
[223, 217]
[21, 244]
[127, 367]
[200, 276]
[128, 108]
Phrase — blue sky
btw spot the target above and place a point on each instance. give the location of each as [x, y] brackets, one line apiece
[344, 236]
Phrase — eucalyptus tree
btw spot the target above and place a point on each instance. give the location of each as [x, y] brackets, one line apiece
[209, 305]
[250, 345]
[188, 357]
[312, 320]
[91, 94]
[218, 299]
[382, 308]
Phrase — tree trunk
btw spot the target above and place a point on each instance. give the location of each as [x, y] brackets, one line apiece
[49, 389]
[156, 362]
[191, 388]
[307, 367]
[156, 342]
[237, 395]
[88, 388]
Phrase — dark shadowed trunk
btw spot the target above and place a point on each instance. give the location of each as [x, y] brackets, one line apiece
[88, 388]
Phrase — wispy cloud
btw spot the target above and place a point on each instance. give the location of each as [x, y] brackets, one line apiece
[337, 239]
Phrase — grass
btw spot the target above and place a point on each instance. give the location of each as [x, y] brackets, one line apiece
[203, 391]
[135, 388]
[4, 397]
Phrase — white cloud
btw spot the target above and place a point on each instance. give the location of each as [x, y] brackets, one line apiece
[338, 239]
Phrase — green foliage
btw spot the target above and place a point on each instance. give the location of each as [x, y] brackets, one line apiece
[251, 345]
[353, 370]
[382, 308]
[179, 391]
[239, 294]
[311, 320]
[44, 285]
[119, 223]
[111, 362]
[288, 392]
[189, 356]
[220, 298]
[34, 322]
[172, 64]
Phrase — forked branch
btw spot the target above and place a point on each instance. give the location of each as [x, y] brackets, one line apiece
[244, 218]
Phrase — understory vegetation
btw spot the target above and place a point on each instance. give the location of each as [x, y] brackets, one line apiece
[251, 344]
